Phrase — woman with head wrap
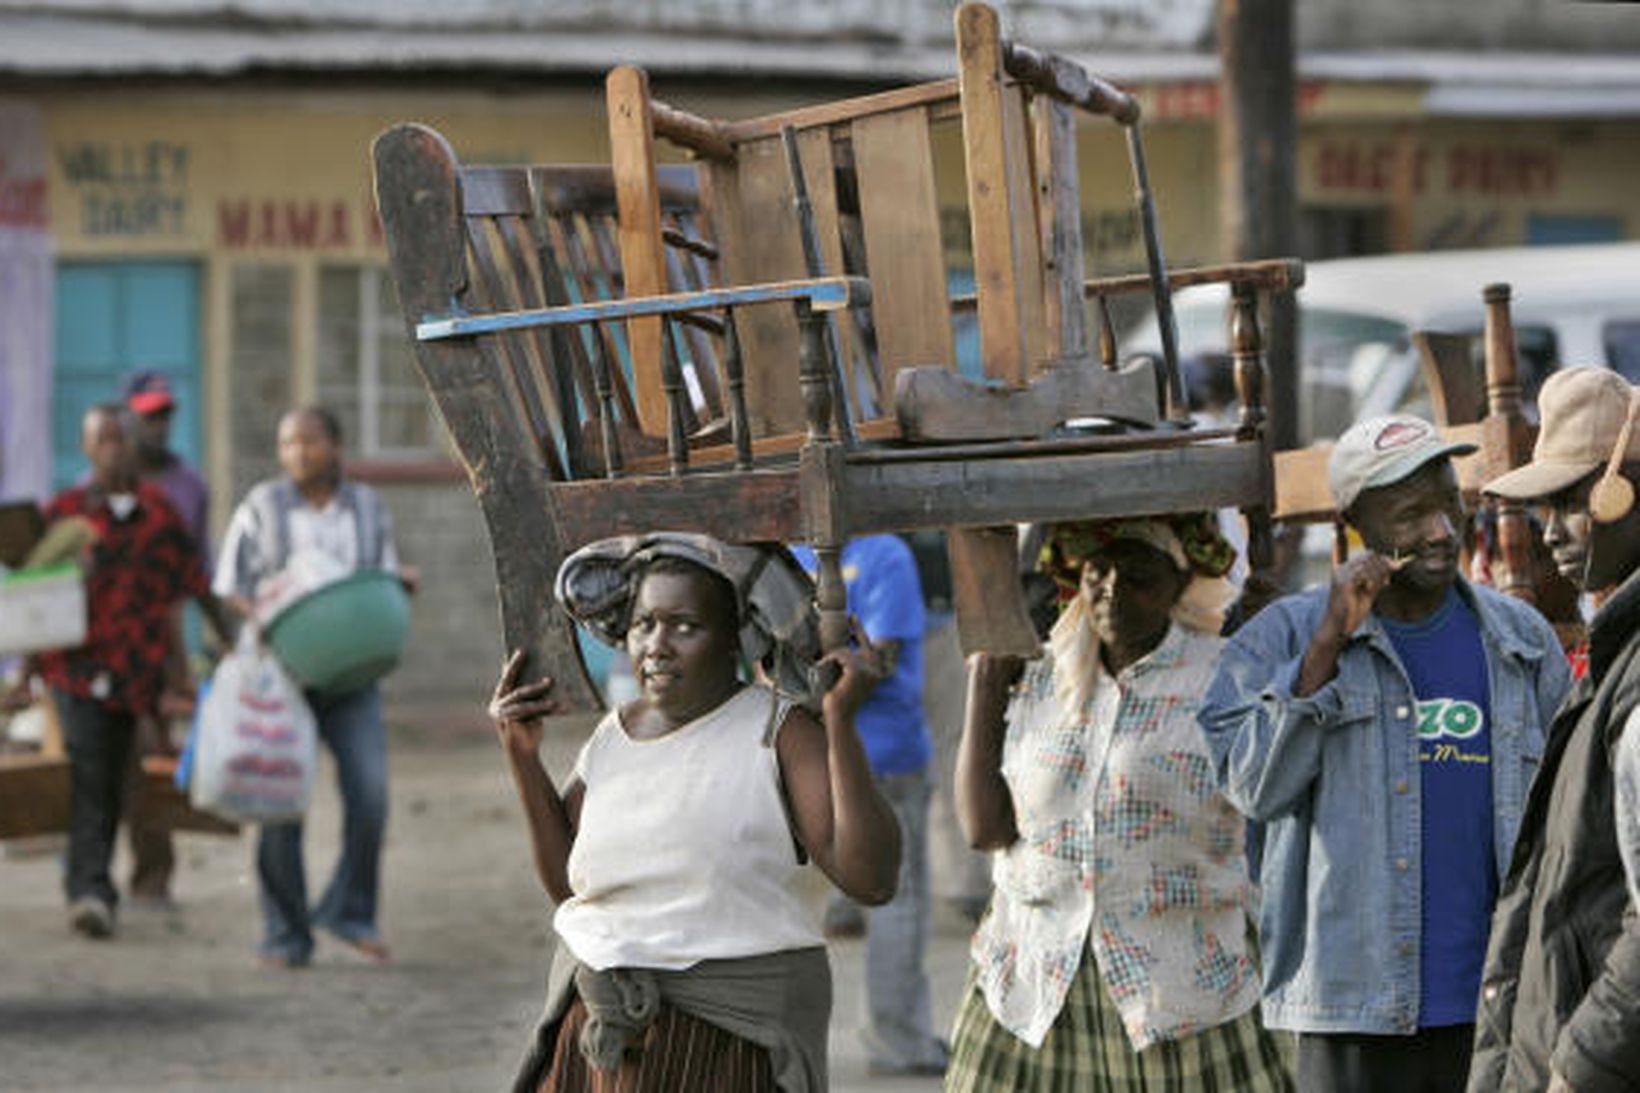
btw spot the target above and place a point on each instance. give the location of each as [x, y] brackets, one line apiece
[1115, 954]
[685, 960]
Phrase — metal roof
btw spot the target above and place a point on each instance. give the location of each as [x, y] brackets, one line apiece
[866, 41]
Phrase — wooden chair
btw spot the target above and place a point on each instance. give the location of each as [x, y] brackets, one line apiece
[810, 283]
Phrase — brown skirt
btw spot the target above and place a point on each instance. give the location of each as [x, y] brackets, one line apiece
[679, 1052]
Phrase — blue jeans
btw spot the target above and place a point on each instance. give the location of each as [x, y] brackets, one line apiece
[900, 1033]
[351, 725]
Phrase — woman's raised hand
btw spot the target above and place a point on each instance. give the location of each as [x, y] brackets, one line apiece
[862, 667]
[517, 709]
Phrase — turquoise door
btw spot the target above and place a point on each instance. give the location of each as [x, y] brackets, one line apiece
[115, 318]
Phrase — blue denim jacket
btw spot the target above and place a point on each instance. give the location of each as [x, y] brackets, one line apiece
[1335, 778]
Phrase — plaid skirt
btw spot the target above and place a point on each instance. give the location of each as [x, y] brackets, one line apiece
[1087, 1051]
[679, 1052]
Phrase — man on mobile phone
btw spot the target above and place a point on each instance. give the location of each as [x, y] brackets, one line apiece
[1385, 729]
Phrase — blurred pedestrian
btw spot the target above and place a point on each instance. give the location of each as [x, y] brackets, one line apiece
[1384, 729]
[1115, 954]
[685, 959]
[884, 593]
[140, 565]
[1560, 998]
[314, 509]
[151, 403]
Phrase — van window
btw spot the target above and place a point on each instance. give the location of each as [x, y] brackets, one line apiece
[1622, 341]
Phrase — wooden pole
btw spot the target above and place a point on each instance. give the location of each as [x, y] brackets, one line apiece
[1258, 176]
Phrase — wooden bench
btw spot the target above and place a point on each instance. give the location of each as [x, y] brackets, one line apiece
[772, 355]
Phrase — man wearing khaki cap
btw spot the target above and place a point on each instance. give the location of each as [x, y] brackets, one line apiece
[1385, 729]
[1560, 997]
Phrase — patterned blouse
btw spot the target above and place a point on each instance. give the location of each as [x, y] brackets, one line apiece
[1123, 840]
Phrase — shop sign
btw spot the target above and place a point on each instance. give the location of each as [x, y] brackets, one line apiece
[296, 224]
[1199, 100]
[127, 189]
[1461, 170]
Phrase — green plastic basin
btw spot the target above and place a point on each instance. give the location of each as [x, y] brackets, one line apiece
[344, 636]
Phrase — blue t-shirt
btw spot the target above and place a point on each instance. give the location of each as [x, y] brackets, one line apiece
[886, 596]
[1446, 663]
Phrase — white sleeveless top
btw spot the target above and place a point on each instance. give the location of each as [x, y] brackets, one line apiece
[684, 852]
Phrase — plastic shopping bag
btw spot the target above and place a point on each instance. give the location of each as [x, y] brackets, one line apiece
[255, 746]
[185, 761]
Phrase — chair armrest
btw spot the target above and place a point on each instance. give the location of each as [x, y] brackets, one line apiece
[820, 293]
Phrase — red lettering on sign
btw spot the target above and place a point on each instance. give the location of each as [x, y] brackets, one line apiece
[1201, 99]
[233, 223]
[1502, 172]
[1493, 172]
[293, 225]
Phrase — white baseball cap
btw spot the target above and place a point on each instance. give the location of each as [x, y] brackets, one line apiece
[1382, 451]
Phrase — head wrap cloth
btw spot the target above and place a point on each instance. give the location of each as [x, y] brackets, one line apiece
[778, 628]
[1193, 541]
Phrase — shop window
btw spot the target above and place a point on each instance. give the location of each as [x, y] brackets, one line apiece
[365, 372]
[261, 302]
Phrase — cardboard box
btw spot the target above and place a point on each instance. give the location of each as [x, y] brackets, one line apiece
[42, 608]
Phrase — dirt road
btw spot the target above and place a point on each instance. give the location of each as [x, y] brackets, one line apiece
[175, 1003]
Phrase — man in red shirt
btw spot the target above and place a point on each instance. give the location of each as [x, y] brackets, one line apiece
[141, 563]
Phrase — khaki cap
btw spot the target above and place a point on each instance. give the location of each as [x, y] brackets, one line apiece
[1582, 412]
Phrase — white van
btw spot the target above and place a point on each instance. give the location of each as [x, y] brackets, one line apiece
[1571, 305]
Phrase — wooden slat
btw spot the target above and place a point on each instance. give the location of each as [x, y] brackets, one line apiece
[1271, 274]
[906, 496]
[767, 246]
[900, 215]
[523, 254]
[937, 404]
[1059, 209]
[683, 276]
[643, 258]
[607, 279]
[764, 449]
[761, 503]
[572, 370]
[1457, 389]
[495, 191]
[486, 291]
[1007, 274]
[844, 110]
[987, 594]
[589, 188]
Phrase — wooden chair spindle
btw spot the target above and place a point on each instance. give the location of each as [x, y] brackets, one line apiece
[734, 368]
[606, 404]
[1107, 335]
[677, 411]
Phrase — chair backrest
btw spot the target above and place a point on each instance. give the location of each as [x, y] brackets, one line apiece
[547, 236]
[872, 170]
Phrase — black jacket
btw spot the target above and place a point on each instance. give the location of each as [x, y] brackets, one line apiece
[1562, 980]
